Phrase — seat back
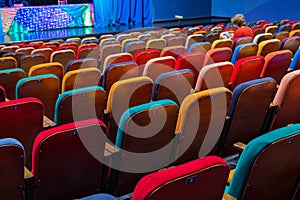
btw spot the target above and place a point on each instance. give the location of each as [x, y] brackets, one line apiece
[125, 94]
[9, 79]
[241, 40]
[291, 43]
[118, 71]
[12, 155]
[260, 166]
[246, 69]
[277, 64]
[192, 39]
[281, 35]
[268, 46]
[25, 50]
[44, 87]
[108, 50]
[192, 60]
[135, 46]
[64, 156]
[143, 56]
[217, 55]
[200, 46]
[63, 57]
[272, 29]
[152, 135]
[27, 61]
[80, 104]
[203, 178]
[285, 27]
[175, 41]
[46, 52]
[286, 96]
[294, 33]
[244, 50]
[175, 85]
[88, 52]
[221, 43]
[211, 37]
[16, 122]
[80, 78]
[15, 55]
[158, 43]
[81, 64]
[262, 37]
[196, 136]
[8, 63]
[214, 75]
[10, 48]
[99, 197]
[174, 51]
[116, 58]
[246, 116]
[47, 68]
[157, 66]
[295, 64]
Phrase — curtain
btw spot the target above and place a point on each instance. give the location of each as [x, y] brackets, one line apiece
[122, 12]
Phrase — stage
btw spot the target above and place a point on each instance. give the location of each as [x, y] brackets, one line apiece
[62, 21]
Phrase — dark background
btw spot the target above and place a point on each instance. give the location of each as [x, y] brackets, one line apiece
[9, 3]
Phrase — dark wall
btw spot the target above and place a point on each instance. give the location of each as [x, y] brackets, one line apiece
[167, 9]
[270, 10]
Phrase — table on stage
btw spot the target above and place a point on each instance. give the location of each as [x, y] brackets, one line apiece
[42, 18]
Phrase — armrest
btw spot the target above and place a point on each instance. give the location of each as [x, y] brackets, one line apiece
[230, 176]
[29, 184]
[110, 149]
[228, 197]
[48, 122]
[239, 145]
[27, 174]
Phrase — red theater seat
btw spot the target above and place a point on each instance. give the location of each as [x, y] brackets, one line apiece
[204, 178]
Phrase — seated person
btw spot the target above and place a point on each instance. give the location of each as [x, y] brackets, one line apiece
[240, 27]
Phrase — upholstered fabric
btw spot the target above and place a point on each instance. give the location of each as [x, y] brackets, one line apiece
[155, 182]
[83, 92]
[99, 197]
[214, 75]
[249, 155]
[132, 111]
[244, 50]
[295, 64]
[191, 60]
[246, 69]
[66, 155]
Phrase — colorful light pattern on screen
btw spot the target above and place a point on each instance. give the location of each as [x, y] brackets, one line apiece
[40, 19]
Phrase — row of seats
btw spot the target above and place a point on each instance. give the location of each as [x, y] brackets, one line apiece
[203, 102]
[60, 158]
[210, 105]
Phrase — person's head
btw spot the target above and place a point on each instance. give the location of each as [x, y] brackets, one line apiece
[238, 20]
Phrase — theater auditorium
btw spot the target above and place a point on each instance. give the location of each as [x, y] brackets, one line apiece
[149, 100]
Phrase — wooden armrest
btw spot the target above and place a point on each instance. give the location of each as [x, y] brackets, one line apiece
[27, 173]
[48, 122]
[228, 197]
[110, 149]
[230, 176]
[29, 184]
[239, 146]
